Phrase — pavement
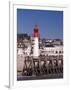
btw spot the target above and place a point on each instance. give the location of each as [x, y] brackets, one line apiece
[49, 76]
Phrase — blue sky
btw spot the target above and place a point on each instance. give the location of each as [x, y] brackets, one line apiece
[50, 23]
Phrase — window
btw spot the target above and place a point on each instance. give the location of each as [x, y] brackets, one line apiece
[59, 51]
[56, 51]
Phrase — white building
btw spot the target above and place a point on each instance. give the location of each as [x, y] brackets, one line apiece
[57, 50]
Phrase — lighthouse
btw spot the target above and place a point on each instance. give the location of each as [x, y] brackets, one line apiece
[36, 42]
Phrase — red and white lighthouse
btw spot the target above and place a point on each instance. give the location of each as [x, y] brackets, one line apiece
[36, 42]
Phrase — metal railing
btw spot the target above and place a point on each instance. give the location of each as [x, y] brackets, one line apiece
[44, 65]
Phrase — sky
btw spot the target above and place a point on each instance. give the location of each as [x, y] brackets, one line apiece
[50, 23]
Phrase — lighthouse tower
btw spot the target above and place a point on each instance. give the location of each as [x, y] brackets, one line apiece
[36, 42]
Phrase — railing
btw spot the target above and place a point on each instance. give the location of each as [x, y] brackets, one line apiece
[44, 65]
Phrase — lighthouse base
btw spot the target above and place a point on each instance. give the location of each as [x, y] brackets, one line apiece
[35, 57]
